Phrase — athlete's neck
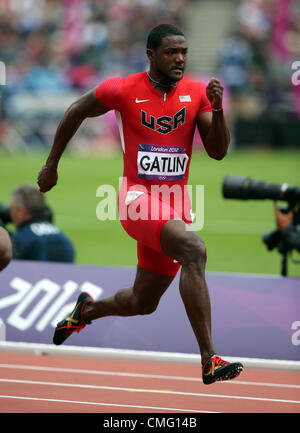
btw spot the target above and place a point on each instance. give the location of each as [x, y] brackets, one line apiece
[163, 86]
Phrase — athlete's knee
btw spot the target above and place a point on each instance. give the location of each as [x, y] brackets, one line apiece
[193, 250]
[144, 307]
[182, 244]
[148, 309]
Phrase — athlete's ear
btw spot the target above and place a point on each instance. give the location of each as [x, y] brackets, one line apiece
[150, 53]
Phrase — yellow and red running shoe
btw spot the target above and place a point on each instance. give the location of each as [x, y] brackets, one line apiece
[74, 322]
[215, 368]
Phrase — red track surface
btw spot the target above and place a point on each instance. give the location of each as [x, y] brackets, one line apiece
[53, 384]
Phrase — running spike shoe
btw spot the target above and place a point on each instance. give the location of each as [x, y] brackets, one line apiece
[215, 368]
[74, 322]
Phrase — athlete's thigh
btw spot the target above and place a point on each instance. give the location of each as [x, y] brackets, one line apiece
[144, 218]
[157, 262]
[149, 286]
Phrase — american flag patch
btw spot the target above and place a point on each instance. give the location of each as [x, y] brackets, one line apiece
[185, 98]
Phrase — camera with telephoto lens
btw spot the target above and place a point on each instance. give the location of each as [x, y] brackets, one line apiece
[244, 188]
[5, 213]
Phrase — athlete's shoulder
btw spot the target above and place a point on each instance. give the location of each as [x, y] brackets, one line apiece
[109, 91]
[136, 79]
[197, 89]
[193, 82]
[134, 84]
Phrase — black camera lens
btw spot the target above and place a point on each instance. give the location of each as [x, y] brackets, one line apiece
[271, 239]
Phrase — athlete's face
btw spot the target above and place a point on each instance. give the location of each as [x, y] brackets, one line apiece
[169, 59]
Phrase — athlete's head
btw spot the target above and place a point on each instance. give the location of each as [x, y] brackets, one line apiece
[167, 52]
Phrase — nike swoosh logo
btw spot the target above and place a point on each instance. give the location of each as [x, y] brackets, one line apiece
[141, 100]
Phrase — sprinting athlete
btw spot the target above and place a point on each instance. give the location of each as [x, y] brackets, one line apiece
[157, 112]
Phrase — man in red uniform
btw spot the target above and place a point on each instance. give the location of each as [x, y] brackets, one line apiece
[157, 112]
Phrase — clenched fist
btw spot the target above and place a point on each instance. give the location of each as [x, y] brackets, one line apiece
[214, 92]
[47, 178]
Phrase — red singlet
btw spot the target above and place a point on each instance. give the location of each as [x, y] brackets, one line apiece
[156, 134]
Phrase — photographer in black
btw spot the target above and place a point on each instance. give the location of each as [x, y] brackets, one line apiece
[36, 237]
[286, 237]
[289, 233]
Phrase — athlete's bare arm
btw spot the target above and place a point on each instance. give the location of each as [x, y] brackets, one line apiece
[86, 106]
[212, 126]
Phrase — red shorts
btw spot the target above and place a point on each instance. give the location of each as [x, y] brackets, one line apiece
[142, 214]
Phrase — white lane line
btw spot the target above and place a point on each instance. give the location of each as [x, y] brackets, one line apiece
[142, 390]
[242, 382]
[146, 376]
[104, 404]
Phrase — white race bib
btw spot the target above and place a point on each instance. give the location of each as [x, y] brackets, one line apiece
[157, 162]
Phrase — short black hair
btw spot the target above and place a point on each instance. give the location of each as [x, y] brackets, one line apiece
[159, 32]
[30, 197]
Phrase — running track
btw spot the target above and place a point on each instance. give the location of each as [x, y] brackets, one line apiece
[31, 383]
